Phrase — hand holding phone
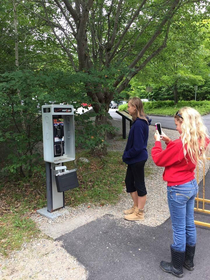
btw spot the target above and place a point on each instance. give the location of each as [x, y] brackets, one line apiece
[165, 138]
[158, 128]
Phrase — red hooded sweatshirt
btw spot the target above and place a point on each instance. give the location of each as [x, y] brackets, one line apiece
[179, 169]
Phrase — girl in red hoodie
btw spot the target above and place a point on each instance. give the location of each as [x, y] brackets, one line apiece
[180, 159]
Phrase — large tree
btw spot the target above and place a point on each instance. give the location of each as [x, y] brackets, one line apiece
[101, 44]
[109, 41]
[185, 60]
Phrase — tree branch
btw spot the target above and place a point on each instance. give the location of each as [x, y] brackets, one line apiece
[49, 22]
[66, 18]
[125, 83]
[82, 50]
[155, 35]
[71, 11]
[153, 38]
[126, 29]
[70, 56]
[134, 43]
[116, 23]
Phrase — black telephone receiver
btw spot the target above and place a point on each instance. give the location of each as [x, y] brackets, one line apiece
[58, 136]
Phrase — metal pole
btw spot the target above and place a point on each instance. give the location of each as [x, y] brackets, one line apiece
[124, 127]
[49, 187]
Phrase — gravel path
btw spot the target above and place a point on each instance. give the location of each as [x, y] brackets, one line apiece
[44, 258]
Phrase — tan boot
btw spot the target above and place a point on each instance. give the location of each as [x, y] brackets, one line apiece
[137, 215]
[130, 210]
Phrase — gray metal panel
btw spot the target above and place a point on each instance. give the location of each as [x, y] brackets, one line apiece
[69, 132]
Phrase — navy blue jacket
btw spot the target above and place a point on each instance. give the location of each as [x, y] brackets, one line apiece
[136, 147]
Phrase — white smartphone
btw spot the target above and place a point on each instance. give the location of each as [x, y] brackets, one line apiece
[158, 128]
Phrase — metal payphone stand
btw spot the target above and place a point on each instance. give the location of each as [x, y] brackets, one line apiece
[58, 148]
[55, 199]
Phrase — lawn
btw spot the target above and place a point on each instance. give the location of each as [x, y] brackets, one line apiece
[168, 108]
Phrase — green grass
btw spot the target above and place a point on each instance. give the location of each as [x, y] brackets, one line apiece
[168, 108]
[18, 201]
[100, 181]
[15, 229]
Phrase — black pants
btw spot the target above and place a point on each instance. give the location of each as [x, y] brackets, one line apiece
[134, 179]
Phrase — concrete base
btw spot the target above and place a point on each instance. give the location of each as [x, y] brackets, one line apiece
[47, 214]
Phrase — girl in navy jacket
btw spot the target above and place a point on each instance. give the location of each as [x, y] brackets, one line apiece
[135, 156]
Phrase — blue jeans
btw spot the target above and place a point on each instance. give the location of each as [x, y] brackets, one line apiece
[181, 200]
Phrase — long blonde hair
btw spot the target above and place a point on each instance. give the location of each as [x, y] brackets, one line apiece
[137, 103]
[194, 133]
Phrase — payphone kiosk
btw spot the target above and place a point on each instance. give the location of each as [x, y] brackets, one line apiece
[58, 148]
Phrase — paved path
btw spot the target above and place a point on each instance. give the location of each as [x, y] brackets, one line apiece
[115, 249]
[166, 122]
[112, 249]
